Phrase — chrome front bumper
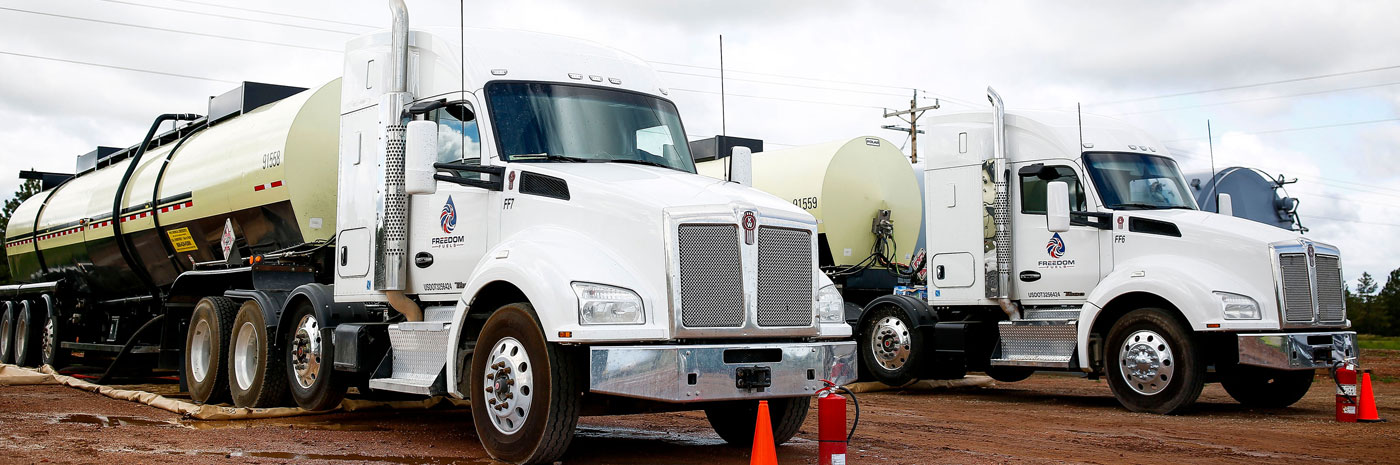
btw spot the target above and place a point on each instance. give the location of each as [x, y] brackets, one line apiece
[699, 373]
[1297, 351]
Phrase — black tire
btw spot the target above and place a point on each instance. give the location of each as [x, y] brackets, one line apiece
[7, 334]
[1264, 387]
[51, 351]
[1168, 361]
[27, 324]
[310, 362]
[735, 421]
[547, 427]
[210, 323]
[1010, 374]
[890, 346]
[257, 376]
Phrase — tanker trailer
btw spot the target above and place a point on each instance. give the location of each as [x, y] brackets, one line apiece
[866, 199]
[1254, 195]
[251, 178]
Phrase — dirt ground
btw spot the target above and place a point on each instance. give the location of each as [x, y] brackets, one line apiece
[1048, 418]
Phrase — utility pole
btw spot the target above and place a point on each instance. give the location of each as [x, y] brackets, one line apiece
[914, 112]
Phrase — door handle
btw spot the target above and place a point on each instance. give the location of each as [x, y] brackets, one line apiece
[344, 252]
[938, 272]
[423, 260]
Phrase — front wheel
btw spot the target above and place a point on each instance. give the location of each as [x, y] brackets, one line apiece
[1264, 387]
[734, 421]
[310, 363]
[890, 346]
[524, 390]
[1153, 364]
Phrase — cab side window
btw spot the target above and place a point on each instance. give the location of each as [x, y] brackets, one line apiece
[458, 138]
[1033, 191]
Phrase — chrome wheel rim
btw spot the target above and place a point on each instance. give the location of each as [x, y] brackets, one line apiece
[6, 335]
[1146, 362]
[890, 342]
[245, 356]
[49, 343]
[22, 337]
[200, 349]
[509, 385]
[306, 351]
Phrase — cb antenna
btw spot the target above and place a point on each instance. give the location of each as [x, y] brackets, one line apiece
[1214, 183]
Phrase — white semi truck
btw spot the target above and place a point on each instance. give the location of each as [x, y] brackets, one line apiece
[506, 217]
[1063, 243]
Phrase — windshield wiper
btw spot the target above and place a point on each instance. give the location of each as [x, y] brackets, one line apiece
[547, 157]
[637, 162]
[1148, 206]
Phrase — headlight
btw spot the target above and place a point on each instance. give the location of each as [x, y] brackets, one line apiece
[608, 305]
[830, 307]
[1238, 307]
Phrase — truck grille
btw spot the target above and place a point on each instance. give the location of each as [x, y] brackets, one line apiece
[711, 279]
[1331, 303]
[1297, 288]
[784, 277]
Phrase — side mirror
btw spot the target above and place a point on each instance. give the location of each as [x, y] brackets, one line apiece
[1223, 205]
[1057, 206]
[420, 152]
[741, 166]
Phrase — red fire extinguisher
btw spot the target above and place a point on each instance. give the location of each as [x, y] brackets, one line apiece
[832, 435]
[1344, 373]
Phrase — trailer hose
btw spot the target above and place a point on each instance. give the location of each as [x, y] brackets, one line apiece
[127, 348]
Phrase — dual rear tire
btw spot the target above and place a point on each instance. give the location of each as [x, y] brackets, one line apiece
[230, 356]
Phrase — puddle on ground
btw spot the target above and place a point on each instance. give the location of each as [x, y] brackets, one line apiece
[356, 458]
[613, 433]
[106, 421]
[291, 423]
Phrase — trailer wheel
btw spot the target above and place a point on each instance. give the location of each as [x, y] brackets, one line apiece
[51, 351]
[311, 363]
[890, 346]
[7, 334]
[206, 349]
[1264, 387]
[524, 390]
[27, 325]
[734, 421]
[257, 377]
[1153, 363]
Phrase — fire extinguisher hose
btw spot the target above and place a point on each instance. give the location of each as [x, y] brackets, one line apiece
[1333, 372]
[855, 422]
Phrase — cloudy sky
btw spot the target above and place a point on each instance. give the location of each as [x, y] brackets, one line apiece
[1307, 89]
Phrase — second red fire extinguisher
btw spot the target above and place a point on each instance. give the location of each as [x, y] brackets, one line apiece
[831, 424]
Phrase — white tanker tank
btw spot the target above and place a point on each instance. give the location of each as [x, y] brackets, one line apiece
[846, 185]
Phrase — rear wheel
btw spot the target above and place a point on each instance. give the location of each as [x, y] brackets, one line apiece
[310, 363]
[7, 334]
[27, 325]
[890, 346]
[1153, 364]
[1265, 387]
[51, 349]
[257, 377]
[735, 421]
[206, 349]
[524, 390]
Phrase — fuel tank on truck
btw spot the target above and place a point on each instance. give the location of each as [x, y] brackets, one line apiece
[844, 184]
[268, 173]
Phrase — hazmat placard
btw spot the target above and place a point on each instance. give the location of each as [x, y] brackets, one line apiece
[182, 240]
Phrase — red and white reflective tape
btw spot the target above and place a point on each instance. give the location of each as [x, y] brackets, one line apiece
[170, 208]
[270, 185]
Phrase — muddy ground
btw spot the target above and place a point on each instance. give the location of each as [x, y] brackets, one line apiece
[1048, 418]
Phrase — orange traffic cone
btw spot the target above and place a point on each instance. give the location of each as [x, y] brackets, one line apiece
[1366, 412]
[763, 449]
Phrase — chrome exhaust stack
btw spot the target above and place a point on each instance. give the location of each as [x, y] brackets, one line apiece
[391, 219]
[1001, 209]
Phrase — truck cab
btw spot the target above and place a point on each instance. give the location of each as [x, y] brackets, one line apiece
[1073, 243]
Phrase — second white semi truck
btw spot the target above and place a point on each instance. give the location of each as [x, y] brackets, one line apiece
[506, 217]
[1067, 243]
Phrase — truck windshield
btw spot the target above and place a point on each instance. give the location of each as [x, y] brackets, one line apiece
[539, 122]
[1134, 181]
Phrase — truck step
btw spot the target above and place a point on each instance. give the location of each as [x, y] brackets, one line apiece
[1052, 314]
[1036, 343]
[419, 358]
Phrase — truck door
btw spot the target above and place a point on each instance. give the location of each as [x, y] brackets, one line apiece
[1050, 268]
[448, 229]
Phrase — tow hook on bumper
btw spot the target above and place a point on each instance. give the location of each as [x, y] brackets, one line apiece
[699, 373]
[1297, 351]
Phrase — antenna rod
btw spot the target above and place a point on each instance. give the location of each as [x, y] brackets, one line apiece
[1214, 183]
[722, 130]
[1079, 113]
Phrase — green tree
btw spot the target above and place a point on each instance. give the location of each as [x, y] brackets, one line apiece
[29, 188]
[1362, 308]
[1387, 302]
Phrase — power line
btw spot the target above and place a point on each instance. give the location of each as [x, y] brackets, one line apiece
[216, 15]
[764, 97]
[833, 81]
[1319, 194]
[273, 13]
[1331, 182]
[1397, 225]
[1260, 99]
[123, 68]
[781, 83]
[1306, 128]
[201, 34]
[1246, 86]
